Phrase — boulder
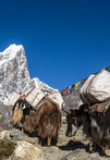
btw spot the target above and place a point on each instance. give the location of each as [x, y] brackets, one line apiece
[27, 151]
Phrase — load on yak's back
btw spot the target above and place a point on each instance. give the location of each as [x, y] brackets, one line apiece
[96, 89]
[94, 113]
[36, 112]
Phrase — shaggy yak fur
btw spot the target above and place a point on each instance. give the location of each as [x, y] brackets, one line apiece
[17, 113]
[28, 124]
[96, 126]
[46, 120]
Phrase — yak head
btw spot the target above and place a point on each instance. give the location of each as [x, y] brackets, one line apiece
[71, 119]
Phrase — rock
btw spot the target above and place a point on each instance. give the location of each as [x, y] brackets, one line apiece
[15, 132]
[25, 138]
[4, 134]
[73, 100]
[27, 151]
[81, 154]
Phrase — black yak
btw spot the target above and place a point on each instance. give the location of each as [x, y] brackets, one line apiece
[95, 121]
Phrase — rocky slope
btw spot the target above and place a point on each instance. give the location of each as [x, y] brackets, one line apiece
[74, 148]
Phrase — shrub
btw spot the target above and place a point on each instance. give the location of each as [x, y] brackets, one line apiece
[6, 148]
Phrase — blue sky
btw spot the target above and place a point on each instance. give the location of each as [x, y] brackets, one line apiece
[64, 40]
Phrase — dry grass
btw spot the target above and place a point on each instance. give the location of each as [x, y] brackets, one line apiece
[6, 148]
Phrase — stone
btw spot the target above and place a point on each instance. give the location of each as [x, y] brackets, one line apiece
[27, 151]
[4, 134]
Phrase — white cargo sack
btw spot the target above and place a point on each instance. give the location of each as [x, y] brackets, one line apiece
[57, 98]
[33, 96]
[13, 98]
[96, 88]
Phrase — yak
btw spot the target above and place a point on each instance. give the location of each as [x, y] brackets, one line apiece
[76, 118]
[96, 125]
[45, 118]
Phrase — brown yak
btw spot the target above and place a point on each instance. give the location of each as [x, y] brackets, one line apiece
[46, 119]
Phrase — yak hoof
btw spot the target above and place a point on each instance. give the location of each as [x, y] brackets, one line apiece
[92, 148]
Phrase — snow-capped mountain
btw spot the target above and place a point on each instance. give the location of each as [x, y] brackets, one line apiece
[14, 74]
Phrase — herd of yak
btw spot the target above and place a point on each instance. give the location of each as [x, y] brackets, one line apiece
[45, 121]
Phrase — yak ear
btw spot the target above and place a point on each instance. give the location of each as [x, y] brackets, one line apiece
[66, 110]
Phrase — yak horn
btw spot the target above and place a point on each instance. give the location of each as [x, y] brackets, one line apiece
[66, 110]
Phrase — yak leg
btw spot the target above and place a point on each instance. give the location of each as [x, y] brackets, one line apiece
[74, 130]
[92, 144]
[49, 141]
[105, 145]
[22, 130]
[106, 150]
[69, 130]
